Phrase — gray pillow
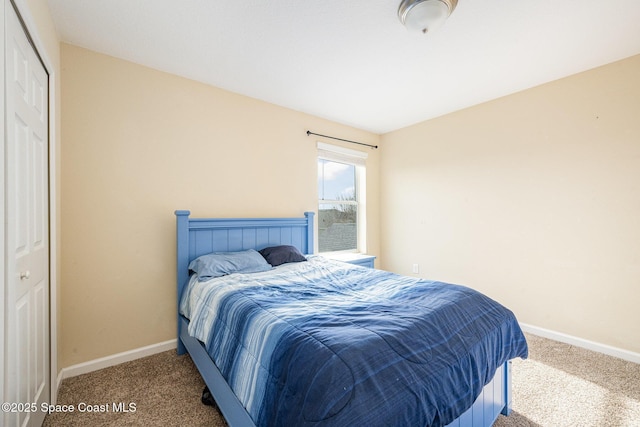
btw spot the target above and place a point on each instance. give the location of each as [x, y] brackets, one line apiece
[222, 263]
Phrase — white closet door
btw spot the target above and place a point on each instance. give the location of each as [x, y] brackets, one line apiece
[27, 228]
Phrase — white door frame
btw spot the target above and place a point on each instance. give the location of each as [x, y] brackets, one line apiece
[25, 13]
[2, 196]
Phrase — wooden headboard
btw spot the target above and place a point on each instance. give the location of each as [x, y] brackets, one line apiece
[199, 236]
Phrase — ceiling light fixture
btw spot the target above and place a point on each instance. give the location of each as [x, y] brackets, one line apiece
[425, 16]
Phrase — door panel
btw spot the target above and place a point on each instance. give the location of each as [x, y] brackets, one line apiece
[26, 369]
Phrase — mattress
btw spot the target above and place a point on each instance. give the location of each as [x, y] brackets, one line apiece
[324, 343]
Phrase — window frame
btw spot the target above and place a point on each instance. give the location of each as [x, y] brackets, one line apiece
[357, 159]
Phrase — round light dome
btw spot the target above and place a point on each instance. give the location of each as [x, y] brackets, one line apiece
[425, 15]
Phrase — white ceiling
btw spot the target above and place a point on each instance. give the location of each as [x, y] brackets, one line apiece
[351, 61]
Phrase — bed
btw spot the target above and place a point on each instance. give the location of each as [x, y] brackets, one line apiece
[328, 388]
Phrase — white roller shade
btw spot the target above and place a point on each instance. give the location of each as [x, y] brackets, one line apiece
[341, 154]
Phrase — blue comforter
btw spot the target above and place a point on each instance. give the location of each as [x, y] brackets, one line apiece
[322, 343]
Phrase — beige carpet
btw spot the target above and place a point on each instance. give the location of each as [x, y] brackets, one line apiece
[559, 385]
[563, 385]
[165, 388]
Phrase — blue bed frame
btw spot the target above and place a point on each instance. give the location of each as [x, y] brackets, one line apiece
[199, 236]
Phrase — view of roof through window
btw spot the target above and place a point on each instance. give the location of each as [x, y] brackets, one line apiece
[338, 207]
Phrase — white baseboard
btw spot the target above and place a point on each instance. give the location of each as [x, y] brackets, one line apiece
[115, 359]
[580, 342]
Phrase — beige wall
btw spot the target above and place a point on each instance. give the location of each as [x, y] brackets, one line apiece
[533, 199]
[138, 144]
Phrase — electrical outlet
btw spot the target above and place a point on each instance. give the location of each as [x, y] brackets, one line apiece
[416, 268]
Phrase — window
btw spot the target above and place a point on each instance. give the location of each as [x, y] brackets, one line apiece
[341, 207]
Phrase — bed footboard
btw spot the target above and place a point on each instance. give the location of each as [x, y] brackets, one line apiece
[494, 400]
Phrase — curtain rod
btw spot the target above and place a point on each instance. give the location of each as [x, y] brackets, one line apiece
[340, 139]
